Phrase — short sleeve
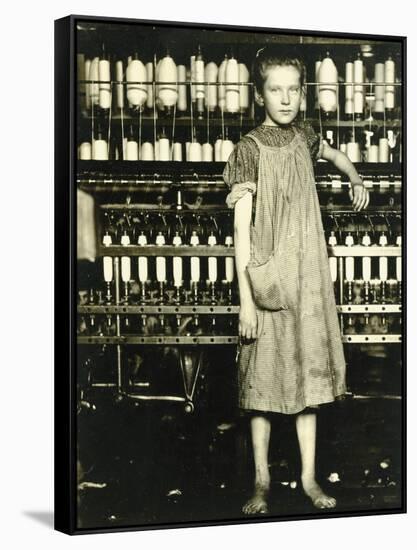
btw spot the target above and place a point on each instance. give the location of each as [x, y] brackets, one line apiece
[241, 170]
[314, 140]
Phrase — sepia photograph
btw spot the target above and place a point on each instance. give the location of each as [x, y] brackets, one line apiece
[228, 225]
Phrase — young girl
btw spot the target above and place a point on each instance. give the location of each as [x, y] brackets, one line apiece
[290, 360]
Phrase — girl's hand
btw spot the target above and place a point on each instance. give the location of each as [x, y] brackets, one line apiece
[359, 196]
[248, 322]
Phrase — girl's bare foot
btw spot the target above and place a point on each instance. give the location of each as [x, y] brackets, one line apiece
[257, 504]
[318, 497]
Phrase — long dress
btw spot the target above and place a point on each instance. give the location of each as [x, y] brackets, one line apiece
[297, 361]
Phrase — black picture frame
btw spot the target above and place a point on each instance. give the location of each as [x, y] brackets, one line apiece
[66, 508]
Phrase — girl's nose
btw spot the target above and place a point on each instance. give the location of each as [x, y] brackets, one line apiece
[285, 98]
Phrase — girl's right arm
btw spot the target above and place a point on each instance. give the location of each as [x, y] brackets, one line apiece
[242, 220]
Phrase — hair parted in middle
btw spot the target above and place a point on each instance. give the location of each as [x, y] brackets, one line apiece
[276, 55]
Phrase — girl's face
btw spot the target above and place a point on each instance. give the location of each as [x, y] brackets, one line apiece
[281, 96]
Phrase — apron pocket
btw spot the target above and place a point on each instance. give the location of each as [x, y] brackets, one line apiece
[265, 280]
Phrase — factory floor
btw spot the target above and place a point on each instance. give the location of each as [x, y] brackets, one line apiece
[151, 463]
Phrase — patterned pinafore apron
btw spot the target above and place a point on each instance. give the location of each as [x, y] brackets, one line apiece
[298, 360]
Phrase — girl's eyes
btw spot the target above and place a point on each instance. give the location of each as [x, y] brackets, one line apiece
[291, 90]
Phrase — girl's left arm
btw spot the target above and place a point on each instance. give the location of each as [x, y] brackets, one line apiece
[358, 193]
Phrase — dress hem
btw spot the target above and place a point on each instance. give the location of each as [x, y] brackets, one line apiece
[276, 410]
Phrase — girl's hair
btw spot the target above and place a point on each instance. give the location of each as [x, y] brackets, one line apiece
[273, 55]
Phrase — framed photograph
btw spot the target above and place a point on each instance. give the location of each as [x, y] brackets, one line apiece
[229, 299]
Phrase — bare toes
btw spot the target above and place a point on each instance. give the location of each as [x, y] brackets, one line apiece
[324, 502]
[255, 508]
[250, 510]
[247, 508]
